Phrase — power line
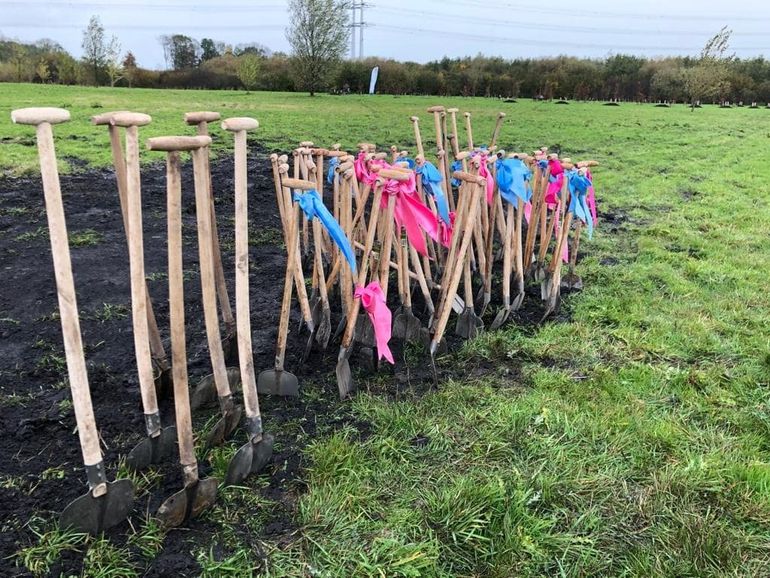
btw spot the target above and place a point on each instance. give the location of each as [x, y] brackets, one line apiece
[519, 40]
[155, 6]
[560, 27]
[119, 26]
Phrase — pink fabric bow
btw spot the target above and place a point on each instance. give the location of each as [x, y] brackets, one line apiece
[554, 187]
[373, 301]
[485, 174]
[363, 171]
[445, 231]
[411, 214]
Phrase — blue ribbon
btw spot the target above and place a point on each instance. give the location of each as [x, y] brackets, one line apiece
[512, 177]
[333, 162]
[431, 184]
[456, 166]
[410, 162]
[312, 205]
[578, 205]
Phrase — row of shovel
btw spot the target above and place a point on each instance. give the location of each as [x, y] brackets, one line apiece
[107, 503]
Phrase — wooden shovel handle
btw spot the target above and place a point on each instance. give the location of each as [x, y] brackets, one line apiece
[65, 286]
[40, 115]
[202, 116]
[177, 143]
[301, 184]
[207, 272]
[126, 119]
[176, 311]
[240, 123]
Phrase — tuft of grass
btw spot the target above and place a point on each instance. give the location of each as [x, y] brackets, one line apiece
[85, 238]
[105, 560]
[237, 565]
[111, 312]
[39, 557]
[38, 233]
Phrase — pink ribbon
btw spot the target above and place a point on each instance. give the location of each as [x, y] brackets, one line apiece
[552, 193]
[591, 198]
[411, 214]
[373, 301]
[485, 174]
[445, 231]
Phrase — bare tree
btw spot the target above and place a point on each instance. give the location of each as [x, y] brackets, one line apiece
[113, 63]
[318, 34]
[709, 77]
[94, 47]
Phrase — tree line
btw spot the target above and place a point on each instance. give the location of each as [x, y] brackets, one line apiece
[207, 63]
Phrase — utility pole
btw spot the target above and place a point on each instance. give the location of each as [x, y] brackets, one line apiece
[357, 6]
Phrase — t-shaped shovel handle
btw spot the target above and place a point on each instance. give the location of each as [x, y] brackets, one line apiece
[239, 127]
[42, 119]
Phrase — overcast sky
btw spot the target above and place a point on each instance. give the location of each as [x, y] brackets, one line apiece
[412, 30]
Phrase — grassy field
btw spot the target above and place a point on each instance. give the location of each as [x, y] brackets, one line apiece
[633, 440]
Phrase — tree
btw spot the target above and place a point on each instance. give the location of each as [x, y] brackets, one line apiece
[42, 71]
[94, 47]
[181, 51]
[129, 68]
[114, 67]
[248, 70]
[318, 34]
[18, 58]
[707, 79]
[209, 49]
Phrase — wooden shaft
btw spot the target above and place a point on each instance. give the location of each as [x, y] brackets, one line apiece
[469, 130]
[575, 245]
[455, 140]
[293, 250]
[417, 137]
[176, 312]
[507, 257]
[454, 279]
[207, 271]
[201, 119]
[387, 245]
[65, 289]
[138, 278]
[496, 133]
[242, 310]
[518, 249]
[468, 283]
[319, 264]
[347, 217]
[119, 162]
[363, 269]
[299, 278]
[421, 280]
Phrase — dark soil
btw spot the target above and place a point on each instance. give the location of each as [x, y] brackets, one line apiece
[40, 460]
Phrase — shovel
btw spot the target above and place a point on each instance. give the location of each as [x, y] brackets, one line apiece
[160, 443]
[453, 280]
[572, 280]
[277, 381]
[518, 271]
[162, 367]
[196, 495]
[106, 503]
[344, 378]
[468, 325]
[257, 451]
[552, 282]
[229, 342]
[231, 413]
[504, 313]
[405, 325]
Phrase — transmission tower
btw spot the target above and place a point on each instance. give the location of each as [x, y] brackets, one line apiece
[357, 9]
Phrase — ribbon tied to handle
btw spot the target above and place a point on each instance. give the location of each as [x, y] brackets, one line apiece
[431, 184]
[373, 302]
[555, 183]
[410, 213]
[578, 205]
[312, 205]
[333, 163]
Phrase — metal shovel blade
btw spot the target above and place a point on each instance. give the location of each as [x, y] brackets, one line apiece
[344, 378]
[275, 382]
[324, 328]
[187, 503]
[205, 393]
[230, 346]
[500, 318]
[250, 459]
[92, 515]
[224, 427]
[413, 325]
[399, 323]
[164, 384]
[572, 282]
[467, 325]
[365, 331]
[316, 315]
[153, 450]
[517, 301]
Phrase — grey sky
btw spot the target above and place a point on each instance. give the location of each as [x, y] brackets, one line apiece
[412, 30]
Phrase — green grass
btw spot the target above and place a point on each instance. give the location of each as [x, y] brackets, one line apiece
[633, 440]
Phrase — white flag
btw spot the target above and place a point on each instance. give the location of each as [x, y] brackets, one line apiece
[373, 81]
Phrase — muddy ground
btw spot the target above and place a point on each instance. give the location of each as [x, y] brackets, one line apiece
[40, 461]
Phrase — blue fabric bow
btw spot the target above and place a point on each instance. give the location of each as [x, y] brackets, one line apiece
[512, 177]
[333, 163]
[431, 184]
[312, 205]
[409, 162]
[578, 205]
